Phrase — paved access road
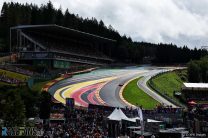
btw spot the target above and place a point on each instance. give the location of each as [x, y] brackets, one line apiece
[102, 86]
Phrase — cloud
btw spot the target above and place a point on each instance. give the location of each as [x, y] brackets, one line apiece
[182, 22]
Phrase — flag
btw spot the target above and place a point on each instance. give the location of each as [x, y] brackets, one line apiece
[139, 110]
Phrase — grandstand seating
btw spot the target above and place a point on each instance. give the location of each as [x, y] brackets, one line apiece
[74, 53]
[17, 70]
[69, 46]
[52, 43]
[11, 77]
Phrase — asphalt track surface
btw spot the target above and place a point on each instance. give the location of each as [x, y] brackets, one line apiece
[102, 86]
[110, 92]
[142, 85]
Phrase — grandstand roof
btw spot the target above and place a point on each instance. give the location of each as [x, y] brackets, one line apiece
[196, 85]
[60, 30]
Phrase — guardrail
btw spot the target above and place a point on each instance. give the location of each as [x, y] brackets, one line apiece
[151, 84]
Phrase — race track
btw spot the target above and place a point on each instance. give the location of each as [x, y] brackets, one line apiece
[102, 87]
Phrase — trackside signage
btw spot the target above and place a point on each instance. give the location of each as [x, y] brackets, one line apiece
[20, 131]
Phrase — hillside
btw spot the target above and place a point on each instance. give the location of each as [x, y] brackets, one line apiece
[126, 50]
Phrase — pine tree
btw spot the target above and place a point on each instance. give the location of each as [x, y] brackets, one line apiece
[193, 72]
[59, 17]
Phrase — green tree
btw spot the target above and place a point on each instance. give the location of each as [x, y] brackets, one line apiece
[13, 110]
[67, 18]
[59, 17]
[31, 101]
[48, 13]
[45, 106]
[203, 63]
[193, 72]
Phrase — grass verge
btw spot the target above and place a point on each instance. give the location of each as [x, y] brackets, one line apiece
[170, 82]
[134, 95]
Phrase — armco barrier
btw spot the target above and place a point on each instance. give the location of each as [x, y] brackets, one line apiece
[151, 85]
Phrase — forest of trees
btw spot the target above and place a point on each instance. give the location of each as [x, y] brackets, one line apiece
[19, 103]
[198, 70]
[126, 50]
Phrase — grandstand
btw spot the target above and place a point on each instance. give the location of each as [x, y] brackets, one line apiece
[195, 91]
[58, 47]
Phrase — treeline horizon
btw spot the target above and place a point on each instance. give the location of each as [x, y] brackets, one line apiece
[126, 50]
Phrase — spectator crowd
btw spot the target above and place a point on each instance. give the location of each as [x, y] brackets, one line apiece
[91, 122]
[17, 70]
[80, 123]
[10, 80]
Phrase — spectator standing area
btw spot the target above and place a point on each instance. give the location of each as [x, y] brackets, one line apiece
[58, 47]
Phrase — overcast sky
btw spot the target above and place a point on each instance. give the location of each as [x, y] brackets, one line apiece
[182, 22]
